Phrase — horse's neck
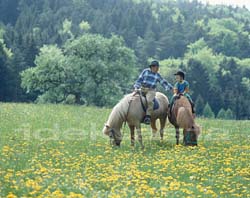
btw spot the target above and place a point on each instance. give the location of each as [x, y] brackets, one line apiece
[118, 114]
[183, 113]
[181, 102]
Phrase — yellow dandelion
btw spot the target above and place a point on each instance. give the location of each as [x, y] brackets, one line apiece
[11, 195]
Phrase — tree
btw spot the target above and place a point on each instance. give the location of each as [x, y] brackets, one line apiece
[224, 36]
[5, 71]
[221, 114]
[91, 69]
[207, 111]
[184, 30]
[229, 77]
[229, 114]
[199, 105]
[200, 52]
[9, 11]
[198, 78]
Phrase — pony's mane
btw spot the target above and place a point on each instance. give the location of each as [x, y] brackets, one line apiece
[118, 113]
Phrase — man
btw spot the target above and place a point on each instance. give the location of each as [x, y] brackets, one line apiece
[181, 87]
[147, 82]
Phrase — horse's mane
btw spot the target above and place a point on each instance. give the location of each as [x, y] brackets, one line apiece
[119, 112]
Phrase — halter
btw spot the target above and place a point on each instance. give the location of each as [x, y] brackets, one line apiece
[111, 134]
[187, 139]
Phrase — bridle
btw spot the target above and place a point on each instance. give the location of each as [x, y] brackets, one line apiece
[111, 134]
[189, 136]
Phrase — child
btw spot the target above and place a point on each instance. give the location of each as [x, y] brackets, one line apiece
[181, 87]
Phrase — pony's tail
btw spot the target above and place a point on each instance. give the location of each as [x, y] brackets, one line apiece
[184, 118]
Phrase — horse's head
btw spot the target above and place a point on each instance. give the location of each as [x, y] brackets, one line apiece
[191, 135]
[114, 135]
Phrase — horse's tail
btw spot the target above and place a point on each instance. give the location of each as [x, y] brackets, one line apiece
[184, 118]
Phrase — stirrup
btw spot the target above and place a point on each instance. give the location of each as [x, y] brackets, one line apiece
[147, 120]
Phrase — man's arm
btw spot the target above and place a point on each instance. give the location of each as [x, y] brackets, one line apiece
[139, 81]
[165, 84]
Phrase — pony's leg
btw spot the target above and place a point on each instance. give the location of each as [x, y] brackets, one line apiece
[163, 124]
[177, 135]
[154, 128]
[132, 134]
[138, 129]
[184, 138]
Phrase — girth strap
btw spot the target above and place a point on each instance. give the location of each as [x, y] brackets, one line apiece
[143, 106]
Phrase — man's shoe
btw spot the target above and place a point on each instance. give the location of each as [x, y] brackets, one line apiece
[147, 119]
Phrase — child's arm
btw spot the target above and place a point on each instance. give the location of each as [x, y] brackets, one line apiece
[186, 88]
[175, 89]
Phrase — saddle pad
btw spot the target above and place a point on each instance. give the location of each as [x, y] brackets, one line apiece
[156, 104]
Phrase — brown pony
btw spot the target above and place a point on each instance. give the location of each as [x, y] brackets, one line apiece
[181, 117]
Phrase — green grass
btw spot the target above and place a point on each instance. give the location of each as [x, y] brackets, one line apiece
[59, 151]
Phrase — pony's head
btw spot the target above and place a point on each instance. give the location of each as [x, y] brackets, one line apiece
[191, 135]
[115, 135]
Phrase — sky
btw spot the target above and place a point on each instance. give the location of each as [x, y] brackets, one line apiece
[239, 3]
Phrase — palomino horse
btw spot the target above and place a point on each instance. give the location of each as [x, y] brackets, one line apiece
[130, 110]
[181, 117]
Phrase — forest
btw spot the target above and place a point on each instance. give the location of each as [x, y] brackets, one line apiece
[91, 51]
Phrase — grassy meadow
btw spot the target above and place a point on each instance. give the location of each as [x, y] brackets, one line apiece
[60, 151]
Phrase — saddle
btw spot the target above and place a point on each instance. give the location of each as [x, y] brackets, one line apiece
[144, 107]
[171, 107]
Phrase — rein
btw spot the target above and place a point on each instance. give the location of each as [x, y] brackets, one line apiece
[143, 106]
[187, 138]
[112, 135]
[129, 104]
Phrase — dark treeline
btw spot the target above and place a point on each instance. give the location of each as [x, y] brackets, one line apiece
[210, 43]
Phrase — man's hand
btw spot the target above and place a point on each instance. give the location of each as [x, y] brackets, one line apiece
[136, 90]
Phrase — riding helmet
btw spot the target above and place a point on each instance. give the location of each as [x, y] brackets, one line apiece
[154, 63]
[180, 73]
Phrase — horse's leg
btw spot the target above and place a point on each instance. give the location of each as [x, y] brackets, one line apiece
[132, 134]
[177, 135]
[184, 137]
[154, 128]
[163, 124]
[138, 129]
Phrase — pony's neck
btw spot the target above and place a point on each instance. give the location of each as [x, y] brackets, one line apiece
[119, 113]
